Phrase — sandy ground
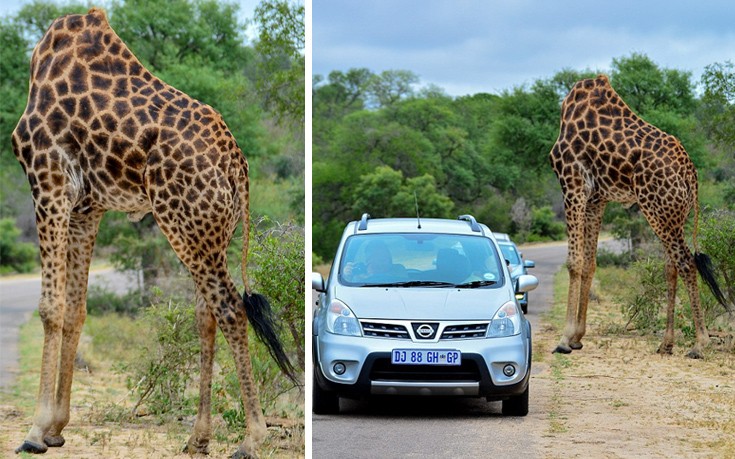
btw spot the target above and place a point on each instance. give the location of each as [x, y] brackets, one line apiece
[617, 398]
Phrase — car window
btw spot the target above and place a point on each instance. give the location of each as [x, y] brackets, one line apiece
[510, 254]
[409, 258]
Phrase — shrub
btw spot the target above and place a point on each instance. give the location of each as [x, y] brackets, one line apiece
[717, 239]
[103, 301]
[164, 367]
[544, 225]
[642, 303]
[606, 258]
[162, 375]
[15, 256]
[278, 268]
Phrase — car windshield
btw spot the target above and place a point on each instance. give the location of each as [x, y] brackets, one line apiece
[420, 260]
[510, 253]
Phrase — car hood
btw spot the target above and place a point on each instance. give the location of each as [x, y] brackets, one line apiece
[420, 303]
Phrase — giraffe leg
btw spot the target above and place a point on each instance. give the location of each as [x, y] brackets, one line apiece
[82, 234]
[667, 219]
[667, 345]
[202, 248]
[575, 211]
[593, 222]
[228, 310]
[207, 327]
[688, 271]
[52, 220]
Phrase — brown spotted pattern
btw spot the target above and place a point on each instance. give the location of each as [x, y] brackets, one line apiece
[605, 153]
[101, 133]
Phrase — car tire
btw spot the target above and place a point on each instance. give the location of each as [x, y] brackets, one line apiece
[516, 405]
[524, 308]
[324, 402]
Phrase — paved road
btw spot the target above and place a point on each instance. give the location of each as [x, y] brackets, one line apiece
[19, 298]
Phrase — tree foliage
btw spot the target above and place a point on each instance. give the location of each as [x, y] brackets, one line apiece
[281, 63]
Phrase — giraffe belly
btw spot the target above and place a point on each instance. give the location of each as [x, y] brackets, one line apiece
[126, 197]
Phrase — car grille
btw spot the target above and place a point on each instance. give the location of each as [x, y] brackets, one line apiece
[464, 331]
[399, 331]
[381, 330]
[384, 370]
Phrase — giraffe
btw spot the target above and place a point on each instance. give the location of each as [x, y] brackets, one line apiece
[605, 153]
[100, 133]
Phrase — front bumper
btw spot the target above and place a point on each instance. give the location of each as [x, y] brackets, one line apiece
[368, 370]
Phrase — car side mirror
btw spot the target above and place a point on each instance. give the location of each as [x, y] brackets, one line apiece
[526, 283]
[317, 282]
[529, 264]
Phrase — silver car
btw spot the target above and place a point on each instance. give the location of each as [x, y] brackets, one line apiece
[517, 264]
[420, 308]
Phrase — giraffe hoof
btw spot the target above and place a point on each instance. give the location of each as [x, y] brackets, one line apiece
[192, 448]
[31, 447]
[695, 354]
[665, 349]
[576, 346]
[54, 441]
[243, 454]
[562, 350]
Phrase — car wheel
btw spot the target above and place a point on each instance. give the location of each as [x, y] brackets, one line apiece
[524, 308]
[324, 402]
[517, 405]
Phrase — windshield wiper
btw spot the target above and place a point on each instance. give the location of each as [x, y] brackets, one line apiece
[417, 283]
[476, 284]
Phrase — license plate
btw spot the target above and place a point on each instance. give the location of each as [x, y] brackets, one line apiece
[426, 357]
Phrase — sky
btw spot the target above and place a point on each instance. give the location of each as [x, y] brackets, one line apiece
[472, 46]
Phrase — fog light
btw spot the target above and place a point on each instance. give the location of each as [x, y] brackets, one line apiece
[509, 370]
[339, 368]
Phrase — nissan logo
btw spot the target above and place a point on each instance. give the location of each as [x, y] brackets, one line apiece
[425, 331]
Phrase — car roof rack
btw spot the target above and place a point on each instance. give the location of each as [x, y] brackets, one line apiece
[363, 222]
[473, 223]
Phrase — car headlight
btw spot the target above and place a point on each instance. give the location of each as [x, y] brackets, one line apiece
[506, 322]
[341, 321]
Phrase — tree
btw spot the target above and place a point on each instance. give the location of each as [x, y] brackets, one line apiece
[645, 87]
[391, 86]
[281, 65]
[719, 101]
[385, 193]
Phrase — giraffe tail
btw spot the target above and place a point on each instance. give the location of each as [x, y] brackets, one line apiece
[261, 318]
[259, 312]
[704, 264]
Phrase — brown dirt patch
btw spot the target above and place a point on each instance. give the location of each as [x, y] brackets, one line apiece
[618, 398]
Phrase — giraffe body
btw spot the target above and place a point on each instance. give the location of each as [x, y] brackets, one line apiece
[102, 133]
[606, 153]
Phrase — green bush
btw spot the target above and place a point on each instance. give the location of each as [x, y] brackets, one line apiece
[278, 269]
[165, 366]
[545, 226]
[103, 301]
[15, 256]
[717, 239]
[163, 373]
[607, 258]
[643, 301]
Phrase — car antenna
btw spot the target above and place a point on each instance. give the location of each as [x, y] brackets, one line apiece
[416, 200]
